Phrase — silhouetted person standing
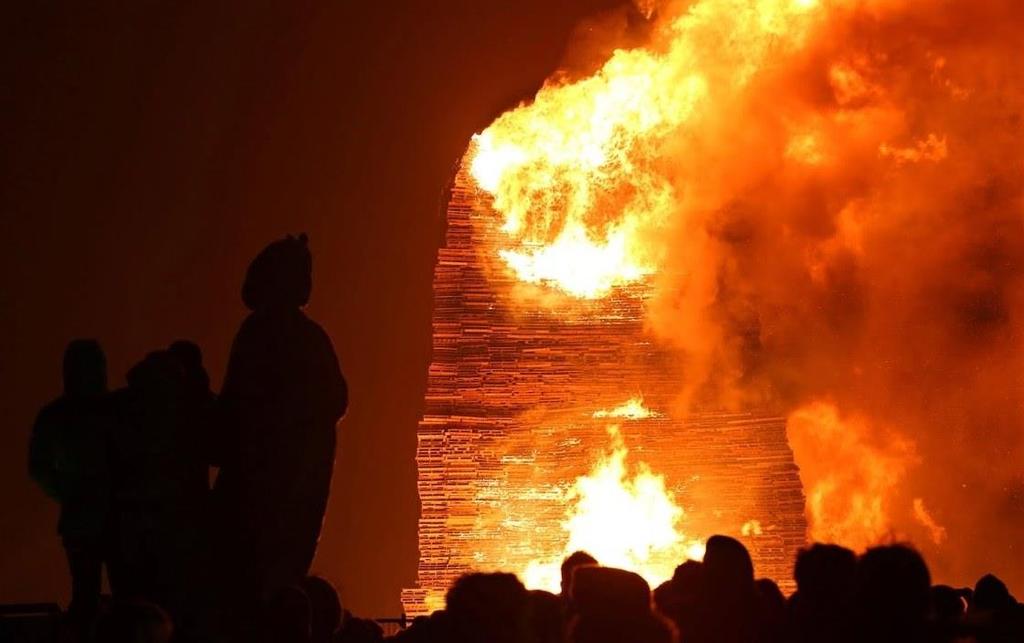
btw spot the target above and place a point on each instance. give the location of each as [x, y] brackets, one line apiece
[160, 482]
[67, 458]
[196, 380]
[892, 595]
[283, 394]
[728, 606]
[821, 608]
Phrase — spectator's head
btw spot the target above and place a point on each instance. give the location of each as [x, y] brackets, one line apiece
[158, 373]
[288, 617]
[825, 572]
[190, 356]
[134, 621]
[487, 608]
[688, 579]
[325, 608]
[892, 594]
[435, 628]
[947, 606]
[770, 595]
[666, 600]
[281, 276]
[990, 593]
[85, 369]
[608, 593]
[545, 616]
[569, 565]
[728, 569]
[771, 608]
[685, 599]
[614, 605]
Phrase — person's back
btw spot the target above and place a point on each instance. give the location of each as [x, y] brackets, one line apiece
[487, 608]
[892, 595]
[614, 605]
[820, 608]
[68, 459]
[283, 394]
[286, 617]
[198, 403]
[155, 458]
[946, 614]
[159, 485]
[995, 613]
[545, 611]
[727, 610]
[686, 598]
[771, 614]
[325, 609]
[569, 565]
[281, 364]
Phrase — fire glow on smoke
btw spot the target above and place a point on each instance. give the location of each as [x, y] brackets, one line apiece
[826, 199]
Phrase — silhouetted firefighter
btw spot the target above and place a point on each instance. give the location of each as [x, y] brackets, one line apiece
[68, 459]
[283, 394]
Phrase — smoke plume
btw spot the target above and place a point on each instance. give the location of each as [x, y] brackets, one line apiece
[849, 246]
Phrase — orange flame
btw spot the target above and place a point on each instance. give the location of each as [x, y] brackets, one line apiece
[816, 211]
[627, 520]
[849, 476]
[575, 173]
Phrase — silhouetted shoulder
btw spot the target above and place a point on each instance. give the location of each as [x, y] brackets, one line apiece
[49, 418]
[42, 465]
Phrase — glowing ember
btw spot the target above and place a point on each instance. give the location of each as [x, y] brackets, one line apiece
[622, 515]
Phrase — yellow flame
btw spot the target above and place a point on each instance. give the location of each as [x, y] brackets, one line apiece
[633, 409]
[622, 515]
[576, 175]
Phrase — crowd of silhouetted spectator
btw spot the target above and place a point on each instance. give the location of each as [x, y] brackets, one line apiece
[195, 557]
[204, 504]
[882, 596]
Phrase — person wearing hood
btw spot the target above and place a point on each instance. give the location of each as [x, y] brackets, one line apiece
[68, 460]
[282, 396]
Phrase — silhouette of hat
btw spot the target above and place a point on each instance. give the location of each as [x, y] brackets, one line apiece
[281, 276]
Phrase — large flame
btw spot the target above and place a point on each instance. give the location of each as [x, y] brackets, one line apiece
[824, 200]
[851, 475]
[576, 173]
[621, 514]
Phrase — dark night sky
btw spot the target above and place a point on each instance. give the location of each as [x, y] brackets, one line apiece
[149, 149]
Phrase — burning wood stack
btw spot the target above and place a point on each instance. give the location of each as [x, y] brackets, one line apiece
[523, 404]
[770, 203]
